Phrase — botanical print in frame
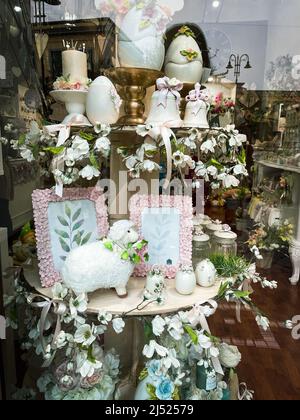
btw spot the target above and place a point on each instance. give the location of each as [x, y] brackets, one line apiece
[62, 224]
[166, 222]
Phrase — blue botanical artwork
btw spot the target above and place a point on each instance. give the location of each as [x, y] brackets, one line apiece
[71, 224]
[161, 228]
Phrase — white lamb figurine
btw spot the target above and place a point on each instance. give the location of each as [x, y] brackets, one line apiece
[93, 266]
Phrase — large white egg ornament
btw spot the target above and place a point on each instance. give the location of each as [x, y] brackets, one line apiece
[184, 59]
[103, 102]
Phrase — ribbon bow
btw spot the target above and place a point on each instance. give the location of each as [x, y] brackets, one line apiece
[204, 325]
[166, 85]
[59, 309]
[199, 95]
[64, 133]
[164, 131]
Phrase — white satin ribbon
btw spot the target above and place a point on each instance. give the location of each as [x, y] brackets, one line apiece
[204, 325]
[164, 131]
[164, 86]
[59, 309]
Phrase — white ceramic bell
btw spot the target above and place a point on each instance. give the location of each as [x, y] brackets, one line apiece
[206, 273]
[186, 281]
[165, 104]
[103, 102]
[155, 282]
[198, 105]
[184, 58]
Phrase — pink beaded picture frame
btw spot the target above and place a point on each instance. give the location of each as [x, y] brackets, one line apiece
[168, 223]
[61, 224]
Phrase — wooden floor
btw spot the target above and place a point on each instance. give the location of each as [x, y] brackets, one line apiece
[271, 361]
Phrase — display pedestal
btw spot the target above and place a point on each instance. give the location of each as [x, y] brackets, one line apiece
[107, 300]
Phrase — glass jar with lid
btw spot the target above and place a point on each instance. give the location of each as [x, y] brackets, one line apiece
[225, 243]
[201, 247]
[213, 226]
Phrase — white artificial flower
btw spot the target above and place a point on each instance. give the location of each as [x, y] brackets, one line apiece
[104, 129]
[59, 291]
[240, 170]
[263, 322]
[190, 142]
[130, 162]
[104, 317]
[230, 357]
[8, 128]
[215, 185]
[61, 340]
[214, 352]
[257, 253]
[89, 172]
[27, 154]
[134, 173]
[85, 366]
[80, 147]
[204, 341]
[78, 304]
[175, 328]
[103, 145]
[150, 166]
[178, 158]
[152, 348]
[269, 284]
[228, 180]
[201, 170]
[212, 171]
[143, 130]
[158, 325]
[209, 146]
[118, 325]
[171, 360]
[84, 335]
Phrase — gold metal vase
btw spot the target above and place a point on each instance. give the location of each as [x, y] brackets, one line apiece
[132, 85]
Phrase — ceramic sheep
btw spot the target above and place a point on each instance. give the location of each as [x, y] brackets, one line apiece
[93, 266]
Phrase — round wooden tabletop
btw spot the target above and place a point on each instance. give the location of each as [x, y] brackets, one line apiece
[109, 301]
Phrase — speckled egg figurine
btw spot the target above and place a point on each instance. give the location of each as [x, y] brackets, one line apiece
[206, 273]
[184, 58]
[103, 102]
[140, 45]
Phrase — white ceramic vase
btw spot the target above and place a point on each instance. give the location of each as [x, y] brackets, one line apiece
[186, 282]
[155, 283]
[206, 273]
[140, 47]
[103, 102]
[196, 114]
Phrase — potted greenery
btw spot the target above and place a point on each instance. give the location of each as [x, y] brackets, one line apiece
[264, 241]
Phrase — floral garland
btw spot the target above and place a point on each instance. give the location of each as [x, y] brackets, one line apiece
[80, 156]
[136, 253]
[181, 352]
[221, 155]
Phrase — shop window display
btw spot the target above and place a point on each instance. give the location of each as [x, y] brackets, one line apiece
[149, 206]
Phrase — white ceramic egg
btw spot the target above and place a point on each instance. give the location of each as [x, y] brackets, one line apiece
[139, 46]
[131, 29]
[148, 53]
[103, 102]
[206, 273]
[178, 65]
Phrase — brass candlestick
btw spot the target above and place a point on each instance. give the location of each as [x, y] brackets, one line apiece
[132, 84]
